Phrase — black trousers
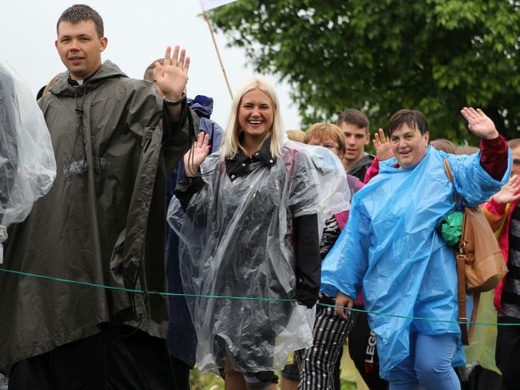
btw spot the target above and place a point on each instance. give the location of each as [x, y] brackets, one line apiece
[118, 358]
[507, 353]
[362, 350]
[182, 373]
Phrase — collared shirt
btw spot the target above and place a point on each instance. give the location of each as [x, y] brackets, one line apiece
[240, 165]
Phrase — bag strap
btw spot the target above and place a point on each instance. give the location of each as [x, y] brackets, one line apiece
[466, 333]
[449, 173]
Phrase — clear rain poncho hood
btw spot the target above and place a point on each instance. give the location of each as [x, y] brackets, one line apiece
[236, 243]
[27, 164]
[393, 251]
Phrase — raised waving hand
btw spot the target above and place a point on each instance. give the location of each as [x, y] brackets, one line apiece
[194, 158]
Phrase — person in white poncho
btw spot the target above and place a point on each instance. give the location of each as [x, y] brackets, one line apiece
[252, 231]
[27, 165]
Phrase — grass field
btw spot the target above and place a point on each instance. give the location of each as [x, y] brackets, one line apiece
[210, 381]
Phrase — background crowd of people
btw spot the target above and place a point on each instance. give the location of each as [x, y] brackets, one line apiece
[277, 248]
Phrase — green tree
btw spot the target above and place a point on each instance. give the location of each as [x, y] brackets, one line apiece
[435, 56]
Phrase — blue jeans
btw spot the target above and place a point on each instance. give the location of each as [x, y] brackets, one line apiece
[428, 366]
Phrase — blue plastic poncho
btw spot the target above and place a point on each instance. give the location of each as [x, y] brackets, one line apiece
[393, 251]
[237, 242]
[27, 164]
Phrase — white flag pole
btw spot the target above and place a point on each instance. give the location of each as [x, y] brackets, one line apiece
[208, 21]
[210, 4]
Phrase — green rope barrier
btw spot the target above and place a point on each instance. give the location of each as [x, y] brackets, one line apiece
[134, 291]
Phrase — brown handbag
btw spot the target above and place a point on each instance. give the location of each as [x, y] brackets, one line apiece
[480, 264]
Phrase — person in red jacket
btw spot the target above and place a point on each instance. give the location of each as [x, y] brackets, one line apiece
[504, 217]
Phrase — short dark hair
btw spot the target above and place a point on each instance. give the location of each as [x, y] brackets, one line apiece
[148, 73]
[80, 13]
[354, 117]
[414, 119]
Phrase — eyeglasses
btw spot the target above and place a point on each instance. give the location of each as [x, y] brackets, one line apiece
[330, 146]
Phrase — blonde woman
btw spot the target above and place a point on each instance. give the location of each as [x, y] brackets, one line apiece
[250, 242]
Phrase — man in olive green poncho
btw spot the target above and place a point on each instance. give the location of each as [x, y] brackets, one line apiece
[102, 224]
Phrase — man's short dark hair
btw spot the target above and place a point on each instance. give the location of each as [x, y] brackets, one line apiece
[354, 117]
[148, 73]
[81, 13]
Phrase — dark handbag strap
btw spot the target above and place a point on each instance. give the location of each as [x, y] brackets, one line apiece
[466, 332]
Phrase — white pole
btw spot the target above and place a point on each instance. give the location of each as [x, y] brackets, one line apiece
[208, 21]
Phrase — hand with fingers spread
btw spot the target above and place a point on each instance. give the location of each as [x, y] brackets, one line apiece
[382, 146]
[509, 191]
[479, 123]
[194, 158]
[171, 76]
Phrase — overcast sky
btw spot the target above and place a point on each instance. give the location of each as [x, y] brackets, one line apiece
[138, 33]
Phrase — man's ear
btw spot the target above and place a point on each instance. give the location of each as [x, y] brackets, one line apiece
[104, 42]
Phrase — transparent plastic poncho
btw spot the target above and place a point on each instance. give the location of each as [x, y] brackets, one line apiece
[237, 257]
[27, 164]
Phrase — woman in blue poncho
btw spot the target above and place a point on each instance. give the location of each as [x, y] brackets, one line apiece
[392, 250]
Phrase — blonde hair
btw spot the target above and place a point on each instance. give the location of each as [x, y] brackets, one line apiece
[295, 135]
[513, 143]
[466, 149]
[230, 142]
[327, 131]
[444, 144]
